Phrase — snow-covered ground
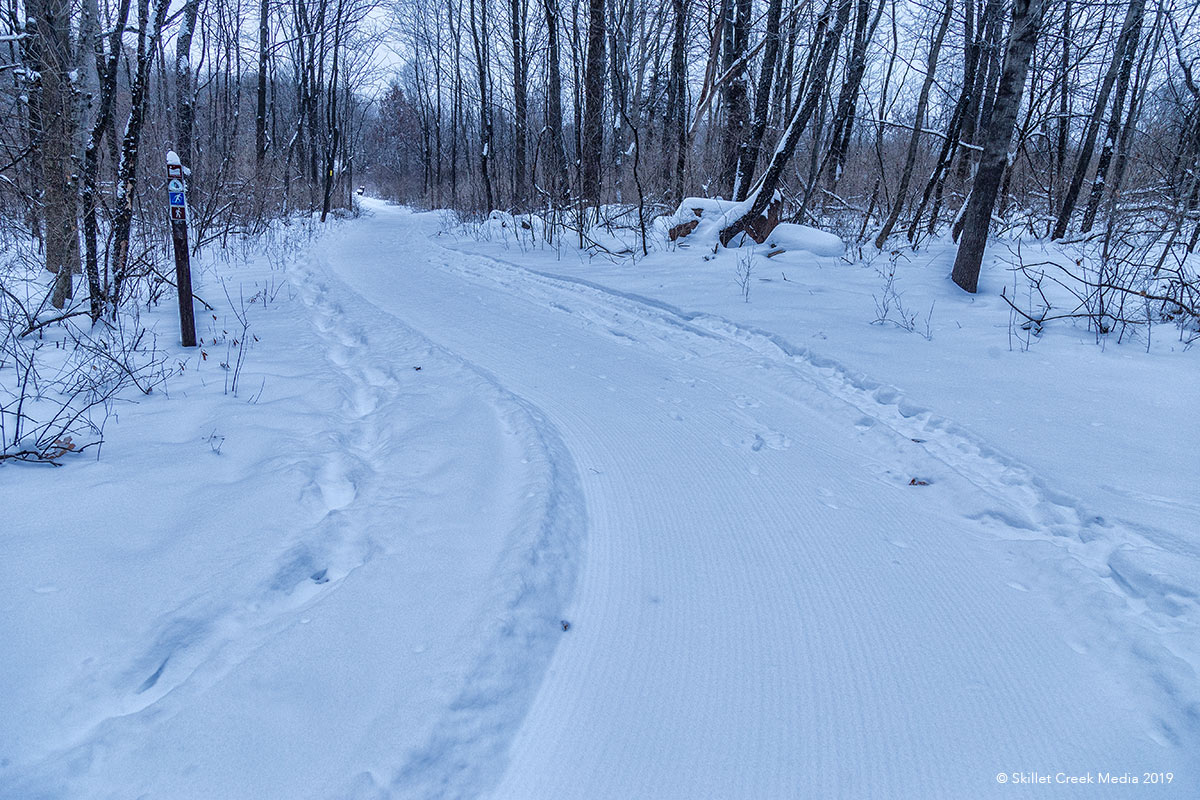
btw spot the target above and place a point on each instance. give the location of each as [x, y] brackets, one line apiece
[490, 519]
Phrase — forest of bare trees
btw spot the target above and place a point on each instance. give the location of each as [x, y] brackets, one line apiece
[265, 103]
[880, 119]
[890, 123]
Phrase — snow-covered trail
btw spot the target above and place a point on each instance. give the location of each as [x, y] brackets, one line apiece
[766, 607]
[273, 615]
[782, 578]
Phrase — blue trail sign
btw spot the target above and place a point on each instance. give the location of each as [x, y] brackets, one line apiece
[177, 205]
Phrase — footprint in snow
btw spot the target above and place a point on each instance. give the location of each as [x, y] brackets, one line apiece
[153, 679]
[772, 439]
[335, 485]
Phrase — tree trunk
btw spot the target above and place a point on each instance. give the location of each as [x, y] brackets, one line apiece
[57, 135]
[675, 133]
[455, 100]
[914, 141]
[736, 102]
[843, 117]
[783, 88]
[333, 131]
[557, 158]
[1022, 38]
[945, 159]
[185, 112]
[106, 69]
[1064, 108]
[149, 31]
[30, 84]
[1133, 18]
[480, 42]
[799, 121]
[593, 113]
[1114, 120]
[748, 155]
[1131, 118]
[520, 104]
[988, 31]
[260, 105]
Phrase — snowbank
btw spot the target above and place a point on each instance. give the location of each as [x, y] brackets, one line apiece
[790, 236]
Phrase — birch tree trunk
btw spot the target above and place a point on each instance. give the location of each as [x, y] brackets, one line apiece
[106, 69]
[185, 105]
[149, 32]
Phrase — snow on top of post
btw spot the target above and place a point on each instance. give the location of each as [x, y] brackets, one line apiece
[173, 158]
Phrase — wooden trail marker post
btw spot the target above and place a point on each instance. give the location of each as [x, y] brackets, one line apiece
[177, 205]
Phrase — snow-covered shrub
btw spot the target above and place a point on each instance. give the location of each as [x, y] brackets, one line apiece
[60, 376]
[1115, 286]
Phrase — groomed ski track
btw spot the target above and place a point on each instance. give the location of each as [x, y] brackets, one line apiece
[764, 605]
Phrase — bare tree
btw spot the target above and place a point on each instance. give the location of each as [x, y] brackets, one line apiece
[1133, 21]
[1113, 129]
[479, 40]
[106, 68]
[1022, 38]
[54, 140]
[148, 34]
[829, 33]
[556, 152]
[734, 91]
[260, 107]
[185, 112]
[675, 133]
[749, 150]
[914, 141]
[593, 114]
[517, 14]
